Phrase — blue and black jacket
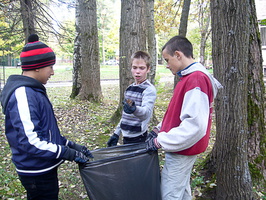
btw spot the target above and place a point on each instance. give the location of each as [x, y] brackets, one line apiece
[31, 127]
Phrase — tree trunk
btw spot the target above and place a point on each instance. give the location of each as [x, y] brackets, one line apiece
[204, 24]
[183, 26]
[76, 78]
[27, 18]
[90, 65]
[132, 39]
[184, 18]
[151, 40]
[256, 106]
[230, 41]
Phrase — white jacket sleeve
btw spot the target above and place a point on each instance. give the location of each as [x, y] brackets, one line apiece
[194, 121]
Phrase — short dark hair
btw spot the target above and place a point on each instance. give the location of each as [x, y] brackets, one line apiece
[143, 55]
[179, 43]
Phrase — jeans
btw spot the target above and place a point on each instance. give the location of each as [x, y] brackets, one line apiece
[139, 139]
[41, 187]
[175, 180]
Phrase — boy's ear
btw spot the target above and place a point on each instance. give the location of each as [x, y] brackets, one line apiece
[177, 54]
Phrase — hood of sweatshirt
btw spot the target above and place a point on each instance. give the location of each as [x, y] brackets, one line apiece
[14, 82]
[216, 85]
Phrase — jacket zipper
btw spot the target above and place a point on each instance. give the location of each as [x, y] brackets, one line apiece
[50, 135]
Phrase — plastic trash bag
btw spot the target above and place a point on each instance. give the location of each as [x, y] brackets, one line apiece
[125, 172]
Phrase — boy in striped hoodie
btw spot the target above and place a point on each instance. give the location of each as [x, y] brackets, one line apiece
[138, 104]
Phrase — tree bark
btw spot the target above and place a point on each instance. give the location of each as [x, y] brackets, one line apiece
[183, 26]
[76, 77]
[90, 65]
[152, 48]
[151, 40]
[204, 25]
[132, 39]
[230, 41]
[184, 18]
[27, 18]
[256, 106]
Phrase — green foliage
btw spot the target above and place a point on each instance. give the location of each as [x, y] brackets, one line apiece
[197, 181]
[166, 16]
[108, 25]
[263, 22]
[67, 41]
[11, 36]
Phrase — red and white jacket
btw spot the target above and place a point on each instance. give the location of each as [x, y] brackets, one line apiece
[186, 125]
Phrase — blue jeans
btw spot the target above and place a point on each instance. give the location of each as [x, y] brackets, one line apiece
[41, 187]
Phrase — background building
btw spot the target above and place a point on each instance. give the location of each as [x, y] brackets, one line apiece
[261, 15]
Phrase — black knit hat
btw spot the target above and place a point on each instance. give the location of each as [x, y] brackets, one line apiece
[36, 54]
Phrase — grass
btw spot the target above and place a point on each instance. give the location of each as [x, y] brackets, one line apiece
[87, 124]
[81, 121]
[64, 73]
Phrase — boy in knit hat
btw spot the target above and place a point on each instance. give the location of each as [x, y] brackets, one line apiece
[185, 129]
[31, 128]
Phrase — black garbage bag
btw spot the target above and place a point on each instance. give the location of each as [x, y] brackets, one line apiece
[125, 172]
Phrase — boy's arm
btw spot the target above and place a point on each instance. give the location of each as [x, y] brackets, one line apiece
[145, 110]
[25, 118]
[194, 117]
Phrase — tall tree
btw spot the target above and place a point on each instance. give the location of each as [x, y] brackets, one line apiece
[184, 18]
[89, 51]
[28, 17]
[204, 20]
[76, 78]
[183, 25]
[235, 44]
[151, 40]
[132, 39]
[37, 17]
[256, 106]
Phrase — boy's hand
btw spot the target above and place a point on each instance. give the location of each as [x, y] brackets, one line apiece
[152, 145]
[113, 140]
[73, 155]
[151, 135]
[129, 106]
[80, 148]
[80, 157]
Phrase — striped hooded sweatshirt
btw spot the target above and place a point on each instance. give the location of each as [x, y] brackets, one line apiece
[135, 124]
[186, 125]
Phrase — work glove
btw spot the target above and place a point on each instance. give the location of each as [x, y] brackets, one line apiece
[151, 135]
[73, 155]
[152, 145]
[80, 148]
[113, 140]
[129, 106]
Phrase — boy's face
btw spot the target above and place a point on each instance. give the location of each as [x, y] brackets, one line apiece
[173, 62]
[44, 74]
[139, 70]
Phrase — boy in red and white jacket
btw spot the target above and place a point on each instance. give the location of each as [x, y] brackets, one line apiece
[185, 129]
